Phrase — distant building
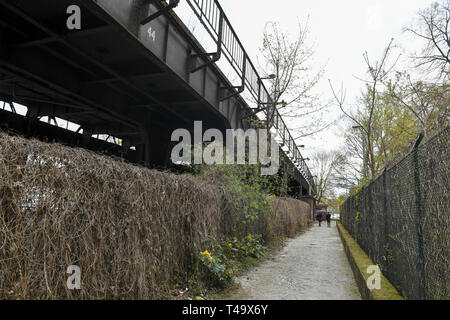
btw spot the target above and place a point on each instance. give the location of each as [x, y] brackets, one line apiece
[316, 208]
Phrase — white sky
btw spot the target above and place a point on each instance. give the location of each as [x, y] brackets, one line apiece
[342, 31]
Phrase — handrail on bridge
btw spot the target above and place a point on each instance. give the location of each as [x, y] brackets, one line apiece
[216, 23]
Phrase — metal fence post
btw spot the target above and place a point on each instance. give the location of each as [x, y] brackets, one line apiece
[419, 217]
[385, 211]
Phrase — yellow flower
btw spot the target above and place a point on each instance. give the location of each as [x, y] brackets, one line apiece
[230, 245]
[207, 254]
[229, 272]
[213, 260]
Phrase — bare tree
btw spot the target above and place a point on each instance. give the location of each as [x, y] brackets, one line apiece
[394, 109]
[377, 73]
[293, 81]
[322, 168]
[433, 28]
[347, 169]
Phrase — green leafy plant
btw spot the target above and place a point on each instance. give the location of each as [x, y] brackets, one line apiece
[393, 237]
[219, 272]
[364, 181]
[251, 246]
[389, 254]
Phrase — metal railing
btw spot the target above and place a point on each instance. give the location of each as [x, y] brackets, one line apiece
[216, 23]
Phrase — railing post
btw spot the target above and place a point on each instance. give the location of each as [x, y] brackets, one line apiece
[385, 212]
[419, 217]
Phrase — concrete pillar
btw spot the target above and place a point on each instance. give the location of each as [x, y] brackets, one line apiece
[154, 151]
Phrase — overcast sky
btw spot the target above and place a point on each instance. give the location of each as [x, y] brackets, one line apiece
[342, 31]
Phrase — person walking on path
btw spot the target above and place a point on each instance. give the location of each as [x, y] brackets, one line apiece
[329, 220]
[319, 218]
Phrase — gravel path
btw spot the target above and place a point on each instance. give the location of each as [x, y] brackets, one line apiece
[312, 266]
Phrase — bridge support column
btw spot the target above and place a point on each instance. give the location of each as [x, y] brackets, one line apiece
[160, 147]
[31, 119]
[86, 138]
[285, 180]
[154, 151]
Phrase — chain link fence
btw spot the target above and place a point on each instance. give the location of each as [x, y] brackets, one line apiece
[402, 220]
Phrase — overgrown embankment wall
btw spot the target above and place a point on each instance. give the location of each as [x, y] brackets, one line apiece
[131, 230]
[402, 221]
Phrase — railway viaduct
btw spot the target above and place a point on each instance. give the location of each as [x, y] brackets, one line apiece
[133, 72]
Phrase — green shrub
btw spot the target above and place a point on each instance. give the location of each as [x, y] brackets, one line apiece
[218, 270]
[251, 246]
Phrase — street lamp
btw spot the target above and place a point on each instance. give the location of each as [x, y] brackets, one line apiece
[361, 128]
[269, 77]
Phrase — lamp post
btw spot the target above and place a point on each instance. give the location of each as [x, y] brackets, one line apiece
[269, 77]
[363, 140]
[310, 187]
[270, 114]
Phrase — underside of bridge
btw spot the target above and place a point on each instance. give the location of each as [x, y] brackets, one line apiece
[111, 77]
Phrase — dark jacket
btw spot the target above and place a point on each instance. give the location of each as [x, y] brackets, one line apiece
[328, 217]
[319, 217]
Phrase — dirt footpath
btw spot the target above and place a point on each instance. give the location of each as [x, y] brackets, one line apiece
[312, 266]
